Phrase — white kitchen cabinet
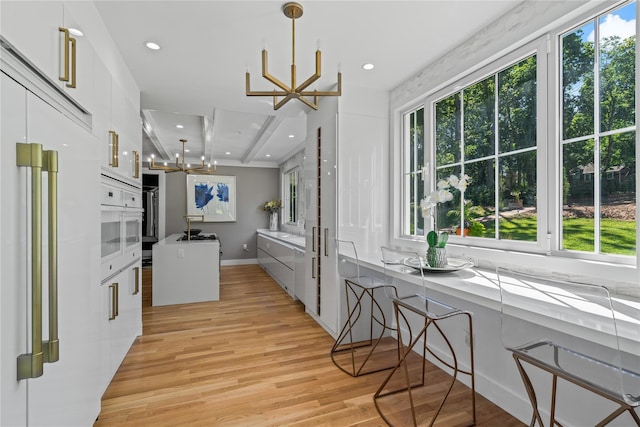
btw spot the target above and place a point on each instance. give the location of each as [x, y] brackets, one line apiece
[38, 37]
[121, 316]
[321, 296]
[277, 258]
[117, 125]
[68, 392]
[185, 271]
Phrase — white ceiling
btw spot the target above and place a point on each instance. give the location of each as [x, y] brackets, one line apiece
[197, 78]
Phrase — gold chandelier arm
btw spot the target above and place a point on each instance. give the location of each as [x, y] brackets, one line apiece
[266, 75]
[313, 105]
[337, 92]
[314, 77]
[287, 97]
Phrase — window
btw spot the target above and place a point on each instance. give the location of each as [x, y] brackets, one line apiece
[413, 182]
[598, 134]
[290, 191]
[551, 161]
[487, 131]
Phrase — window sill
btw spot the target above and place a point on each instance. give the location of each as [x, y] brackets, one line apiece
[480, 286]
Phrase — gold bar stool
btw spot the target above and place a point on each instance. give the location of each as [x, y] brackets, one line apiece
[366, 323]
[587, 351]
[429, 314]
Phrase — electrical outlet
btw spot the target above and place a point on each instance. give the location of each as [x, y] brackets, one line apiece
[244, 247]
[180, 252]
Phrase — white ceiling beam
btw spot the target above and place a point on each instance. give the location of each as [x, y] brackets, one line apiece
[149, 126]
[267, 129]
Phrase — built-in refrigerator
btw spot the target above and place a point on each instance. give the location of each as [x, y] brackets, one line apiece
[50, 310]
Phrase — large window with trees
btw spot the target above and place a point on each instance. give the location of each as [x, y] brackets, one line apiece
[598, 135]
[487, 131]
[554, 179]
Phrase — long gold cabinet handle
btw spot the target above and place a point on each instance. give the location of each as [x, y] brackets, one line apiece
[136, 288]
[51, 347]
[30, 365]
[72, 85]
[115, 142]
[326, 239]
[114, 301]
[313, 239]
[136, 159]
[313, 267]
[68, 42]
[65, 73]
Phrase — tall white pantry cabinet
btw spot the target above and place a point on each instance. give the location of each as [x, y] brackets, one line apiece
[56, 338]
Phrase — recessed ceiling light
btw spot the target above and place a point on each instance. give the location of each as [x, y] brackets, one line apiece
[75, 32]
[187, 150]
[153, 46]
[368, 66]
[228, 153]
[179, 126]
[268, 155]
[292, 136]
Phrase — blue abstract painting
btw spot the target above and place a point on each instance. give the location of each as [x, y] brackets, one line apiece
[223, 192]
[203, 194]
[212, 196]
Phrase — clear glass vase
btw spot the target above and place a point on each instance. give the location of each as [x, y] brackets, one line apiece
[436, 257]
[273, 221]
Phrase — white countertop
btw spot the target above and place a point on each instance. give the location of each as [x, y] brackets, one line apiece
[283, 236]
[175, 239]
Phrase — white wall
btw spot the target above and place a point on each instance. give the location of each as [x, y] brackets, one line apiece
[363, 170]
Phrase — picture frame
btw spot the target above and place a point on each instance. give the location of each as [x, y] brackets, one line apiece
[213, 196]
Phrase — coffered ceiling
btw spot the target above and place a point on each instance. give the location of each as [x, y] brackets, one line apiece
[197, 77]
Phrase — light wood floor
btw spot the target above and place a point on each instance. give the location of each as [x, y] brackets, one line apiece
[254, 358]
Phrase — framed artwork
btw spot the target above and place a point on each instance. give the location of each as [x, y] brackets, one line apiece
[213, 196]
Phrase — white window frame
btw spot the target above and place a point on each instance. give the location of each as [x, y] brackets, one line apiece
[286, 196]
[554, 94]
[537, 47]
[548, 157]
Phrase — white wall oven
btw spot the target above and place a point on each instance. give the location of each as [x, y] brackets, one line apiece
[121, 226]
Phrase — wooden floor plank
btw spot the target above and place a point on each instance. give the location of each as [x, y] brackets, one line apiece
[255, 358]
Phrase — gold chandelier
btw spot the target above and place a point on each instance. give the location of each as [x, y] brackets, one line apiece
[293, 11]
[182, 167]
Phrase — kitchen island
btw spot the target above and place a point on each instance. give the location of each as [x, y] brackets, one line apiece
[186, 271]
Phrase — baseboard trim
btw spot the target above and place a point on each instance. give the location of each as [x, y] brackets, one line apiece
[239, 261]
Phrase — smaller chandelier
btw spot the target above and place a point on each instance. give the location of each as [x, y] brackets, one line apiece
[293, 11]
[181, 166]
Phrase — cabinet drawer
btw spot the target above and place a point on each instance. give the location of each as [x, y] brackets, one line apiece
[279, 251]
[280, 272]
[111, 196]
[132, 200]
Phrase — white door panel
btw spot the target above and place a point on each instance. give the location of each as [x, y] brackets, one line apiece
[71, 382]
[68, 392]
[13, 268]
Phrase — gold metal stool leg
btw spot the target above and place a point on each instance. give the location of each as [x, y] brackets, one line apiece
[359, 293]
[402, 363]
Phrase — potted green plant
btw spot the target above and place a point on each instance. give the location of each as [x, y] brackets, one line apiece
[472, 227]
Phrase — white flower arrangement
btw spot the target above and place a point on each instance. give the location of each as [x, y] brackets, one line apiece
[442, 194]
